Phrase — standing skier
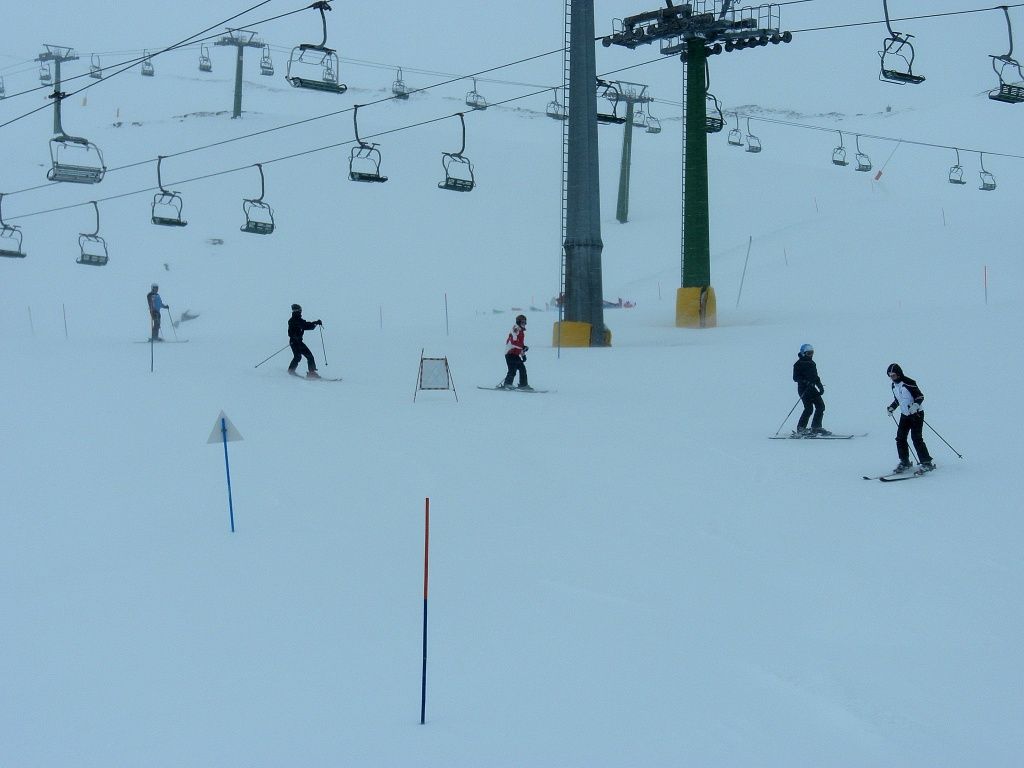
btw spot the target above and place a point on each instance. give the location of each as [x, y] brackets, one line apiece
[907, 396]
[515, 355]
[810, 389]
[155, 304]
[296, 327]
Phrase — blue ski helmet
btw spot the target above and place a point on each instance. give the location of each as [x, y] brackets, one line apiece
[805, 348]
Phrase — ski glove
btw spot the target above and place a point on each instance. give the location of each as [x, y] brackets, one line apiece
[891, 408]
[821, 389]
[915, 408]
[319, 322]
[525, 348]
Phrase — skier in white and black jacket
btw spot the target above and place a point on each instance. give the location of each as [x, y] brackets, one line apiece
[909, 399]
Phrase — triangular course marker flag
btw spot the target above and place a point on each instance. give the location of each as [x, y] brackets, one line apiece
[217, 435]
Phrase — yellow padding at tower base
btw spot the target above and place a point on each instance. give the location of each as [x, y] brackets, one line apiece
[696, 308]
[575, 334]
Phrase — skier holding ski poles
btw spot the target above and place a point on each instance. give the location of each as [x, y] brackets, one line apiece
[810, 389]
[155, 304]
[296, 327]
[909, 399]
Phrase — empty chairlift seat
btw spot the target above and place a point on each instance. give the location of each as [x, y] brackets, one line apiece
[75, 160]
[92, 247]
[259, 217]
[10, 237]
[308, 59]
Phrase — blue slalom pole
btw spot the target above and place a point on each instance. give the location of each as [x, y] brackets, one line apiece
[227, 469]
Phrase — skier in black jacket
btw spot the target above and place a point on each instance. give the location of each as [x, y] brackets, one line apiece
[810, 389]
[296, 327]
[909, 399]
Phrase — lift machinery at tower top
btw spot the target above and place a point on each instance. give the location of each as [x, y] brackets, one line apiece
[727, 28]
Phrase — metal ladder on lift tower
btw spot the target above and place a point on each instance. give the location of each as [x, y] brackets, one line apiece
[565, 165]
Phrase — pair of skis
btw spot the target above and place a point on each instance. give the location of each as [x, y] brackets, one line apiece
[833, 436]
[897, 476]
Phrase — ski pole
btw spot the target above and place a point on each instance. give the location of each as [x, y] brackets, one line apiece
[282, 349]
[798, 400]
[322, 345]
[175, 330]
[954, 450]
[911, 447]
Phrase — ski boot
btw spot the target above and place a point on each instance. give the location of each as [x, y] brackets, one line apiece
[292, 372]
[504, 385]
[312, 375]
[926, 466]
[819, 432]
[525, 387]
[902, 467]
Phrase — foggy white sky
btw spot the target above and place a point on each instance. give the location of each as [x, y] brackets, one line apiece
[821, 71]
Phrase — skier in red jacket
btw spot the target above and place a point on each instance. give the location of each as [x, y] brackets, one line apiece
[515, 355]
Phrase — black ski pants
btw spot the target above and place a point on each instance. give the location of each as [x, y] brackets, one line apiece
[812, 403]
[515, 365]
[912, 425]
[300, 350]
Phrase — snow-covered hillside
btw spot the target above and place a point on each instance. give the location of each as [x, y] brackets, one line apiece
[625, 571]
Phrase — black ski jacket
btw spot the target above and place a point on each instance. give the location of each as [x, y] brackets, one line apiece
[297, 326]
[805, 374]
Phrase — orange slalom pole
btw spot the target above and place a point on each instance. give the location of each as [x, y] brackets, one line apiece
[426, 561]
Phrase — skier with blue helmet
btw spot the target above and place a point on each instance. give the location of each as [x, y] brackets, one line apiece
[810, 389]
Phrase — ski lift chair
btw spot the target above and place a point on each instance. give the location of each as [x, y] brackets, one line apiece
[988, 181]
[309, 56]
[556, 110]
[398, 88]
[364, 160]
[92, 247]
[839, 153]
[10, 237]
[458, 170]
[75, 160]
[653, 124]
[897, 56]
[1008, 92]
[474, 100]
[753, 143]
[147, 65]
[3, 90]
[640, 118]
[714, 120]
[95, 69]
[166, 208]
[266, 63]
[735, 135]
[205, 64]
[611, 92]
[863, 162]
[45, 78]
[259, 217]
[956, 172]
